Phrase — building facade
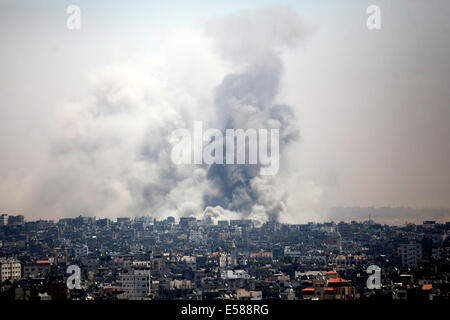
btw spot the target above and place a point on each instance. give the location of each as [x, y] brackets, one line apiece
[10, 269]
[135, 282]
[410, 254]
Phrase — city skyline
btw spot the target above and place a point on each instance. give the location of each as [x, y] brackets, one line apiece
[237, 260]
[393, 216]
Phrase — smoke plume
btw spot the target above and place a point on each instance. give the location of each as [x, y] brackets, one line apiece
[109, 152]
[245, 99]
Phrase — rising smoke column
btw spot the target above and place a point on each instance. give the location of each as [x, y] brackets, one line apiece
[252, 41]
[109, 152]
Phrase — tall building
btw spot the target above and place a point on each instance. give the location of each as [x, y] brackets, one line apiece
[135, 282]
[410, 254]
[16, 220]
[188, 222]
[10, 269]
[196, 236]
[3, 220]
[339, 241]
[233, 254]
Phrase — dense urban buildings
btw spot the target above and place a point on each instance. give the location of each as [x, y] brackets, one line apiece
[143, 258]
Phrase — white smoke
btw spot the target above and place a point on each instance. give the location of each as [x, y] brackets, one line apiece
[110, 150]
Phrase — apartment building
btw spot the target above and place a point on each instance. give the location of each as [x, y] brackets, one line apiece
[135, 282]
[410, 254]
[10, 269]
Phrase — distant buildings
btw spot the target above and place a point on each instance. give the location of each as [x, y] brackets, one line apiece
[39, 269]
[188, 222]
[16, 220]
[233, 254]
[10, 269]
[345, 261]
[332, 288]
[3, 220]
[410, 254]
[11, 221]
[223, 223]
[261, 255]
[135, 283]
[81, 251]
[236, 274]
[124, 221]
[242, 294]
[146, 258]
[196, 236]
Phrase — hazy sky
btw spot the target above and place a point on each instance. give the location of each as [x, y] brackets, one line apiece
[372, 106]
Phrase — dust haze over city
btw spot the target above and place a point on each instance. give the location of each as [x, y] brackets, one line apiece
[86, 115]
[213, 159]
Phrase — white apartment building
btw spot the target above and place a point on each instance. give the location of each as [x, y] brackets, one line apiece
[196, 236]
[135, 282]
[410, 254]
[10, 269]
[235, 274]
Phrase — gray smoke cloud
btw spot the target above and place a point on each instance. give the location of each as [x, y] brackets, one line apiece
[246, 100]
[109, 152]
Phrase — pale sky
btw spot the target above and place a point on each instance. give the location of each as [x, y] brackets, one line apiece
[372, 106]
